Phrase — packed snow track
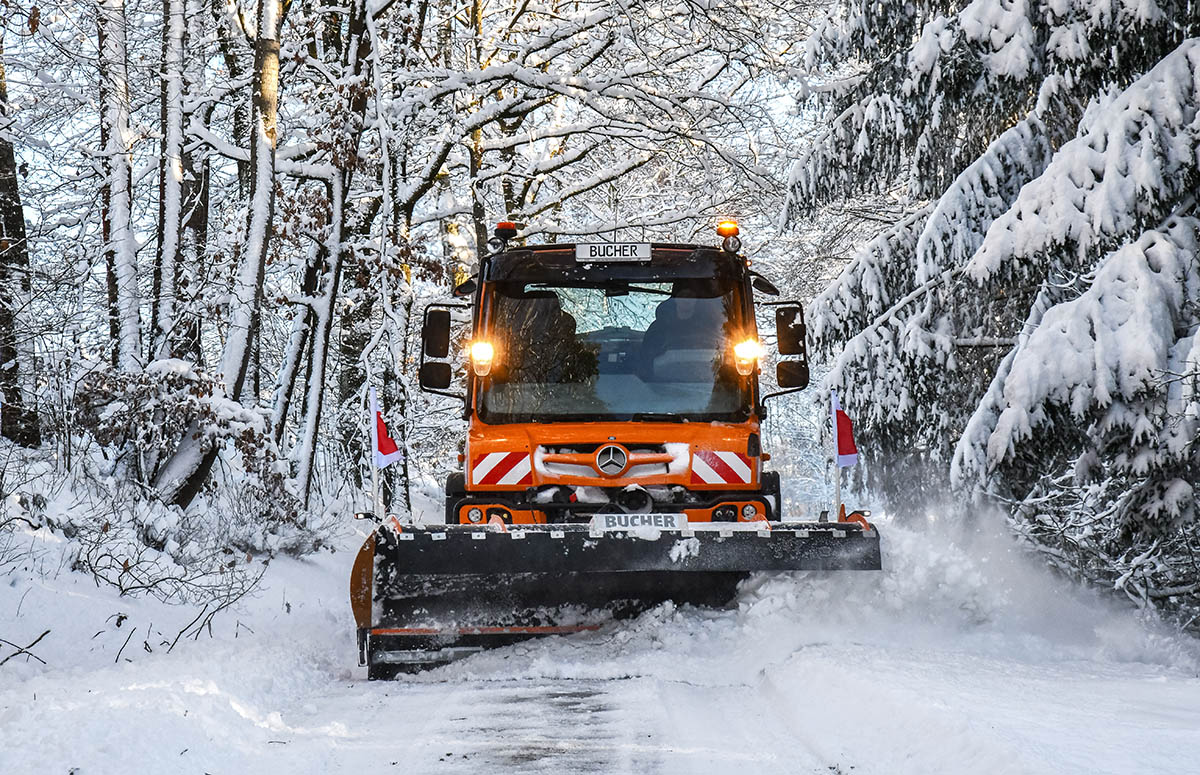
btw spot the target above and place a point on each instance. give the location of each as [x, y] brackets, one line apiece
[961, 657]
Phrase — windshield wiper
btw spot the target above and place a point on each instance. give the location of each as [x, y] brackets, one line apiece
[657, 417]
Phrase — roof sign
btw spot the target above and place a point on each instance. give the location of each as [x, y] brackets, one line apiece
[613, 251]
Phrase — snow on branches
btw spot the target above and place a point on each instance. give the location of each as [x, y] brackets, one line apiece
[1137, 163]
[1139, 152]
[892, 307]
[916, 91]
[1105, 358]
[867, 287]
[1030, 334]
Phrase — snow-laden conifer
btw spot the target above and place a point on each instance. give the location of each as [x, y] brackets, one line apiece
[1035, 342]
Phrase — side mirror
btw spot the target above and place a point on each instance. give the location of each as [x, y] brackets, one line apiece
[764, 285]
[435, 334]
[435, 376]
[437, 362]
[789, 329]
[792, 374]
[466, 288]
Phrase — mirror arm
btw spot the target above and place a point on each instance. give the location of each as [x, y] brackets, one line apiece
[472, 281]
[460, 396]
[778, 393]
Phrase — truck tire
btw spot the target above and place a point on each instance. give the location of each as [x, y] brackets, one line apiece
[456, 488]
[770, 490]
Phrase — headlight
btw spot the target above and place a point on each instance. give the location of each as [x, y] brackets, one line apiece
[746, 355]
[481, 358]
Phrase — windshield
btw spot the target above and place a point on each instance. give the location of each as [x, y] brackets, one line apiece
[615, 351]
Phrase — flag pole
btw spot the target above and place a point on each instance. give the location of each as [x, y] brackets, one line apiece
[837, 489]
[837, 469]
[374, 423]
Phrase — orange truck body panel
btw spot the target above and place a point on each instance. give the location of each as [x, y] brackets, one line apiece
[647, 470]
[702, 457]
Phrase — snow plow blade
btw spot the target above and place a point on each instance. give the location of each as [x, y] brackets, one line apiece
[424, 596]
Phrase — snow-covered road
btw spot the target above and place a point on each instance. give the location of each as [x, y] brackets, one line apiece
[959, 658]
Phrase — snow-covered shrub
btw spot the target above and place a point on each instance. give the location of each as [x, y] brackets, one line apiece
[143, 547]
[85, 519]
[127, 423]
[1028, 336]
[142, 415]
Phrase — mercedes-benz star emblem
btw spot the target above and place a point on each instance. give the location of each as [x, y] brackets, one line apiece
[611, 460]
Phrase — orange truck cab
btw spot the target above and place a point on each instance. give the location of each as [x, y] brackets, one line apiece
[613, 457]
[614, 378]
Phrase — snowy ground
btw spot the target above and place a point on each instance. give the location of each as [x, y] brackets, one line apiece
[962, 657]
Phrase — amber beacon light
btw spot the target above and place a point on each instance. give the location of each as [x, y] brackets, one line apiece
[729, 230]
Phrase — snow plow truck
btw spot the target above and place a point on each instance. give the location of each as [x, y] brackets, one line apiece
[612, 459]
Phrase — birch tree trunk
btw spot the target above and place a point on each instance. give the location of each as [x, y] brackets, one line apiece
[356, 60]
[17, 422]
[298, 343]
[184, 473]
[122, 246]
[246, 304]
[170, 182]
[323, 319]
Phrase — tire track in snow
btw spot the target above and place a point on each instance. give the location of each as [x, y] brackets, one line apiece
[571, 725]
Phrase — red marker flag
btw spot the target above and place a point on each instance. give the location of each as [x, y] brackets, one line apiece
[843, 435]
[386, 451]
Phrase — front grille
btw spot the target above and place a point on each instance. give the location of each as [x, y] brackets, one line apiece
[570, 469]
[582, 467]
[590, 449]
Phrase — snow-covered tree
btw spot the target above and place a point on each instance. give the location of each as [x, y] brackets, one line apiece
[236, 210]
[17, 422]
[1031, 325]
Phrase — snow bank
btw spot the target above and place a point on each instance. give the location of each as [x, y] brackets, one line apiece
[944, 589]
[961, 657]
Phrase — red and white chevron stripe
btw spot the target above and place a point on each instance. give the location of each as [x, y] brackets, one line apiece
[502, 468]
[713, 467]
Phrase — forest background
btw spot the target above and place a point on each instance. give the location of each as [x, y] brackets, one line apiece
[219, 223]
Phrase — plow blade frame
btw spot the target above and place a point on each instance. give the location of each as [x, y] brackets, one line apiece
[444, 591]
[456, 549]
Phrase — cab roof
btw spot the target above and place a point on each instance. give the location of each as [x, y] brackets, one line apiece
[559, 261]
